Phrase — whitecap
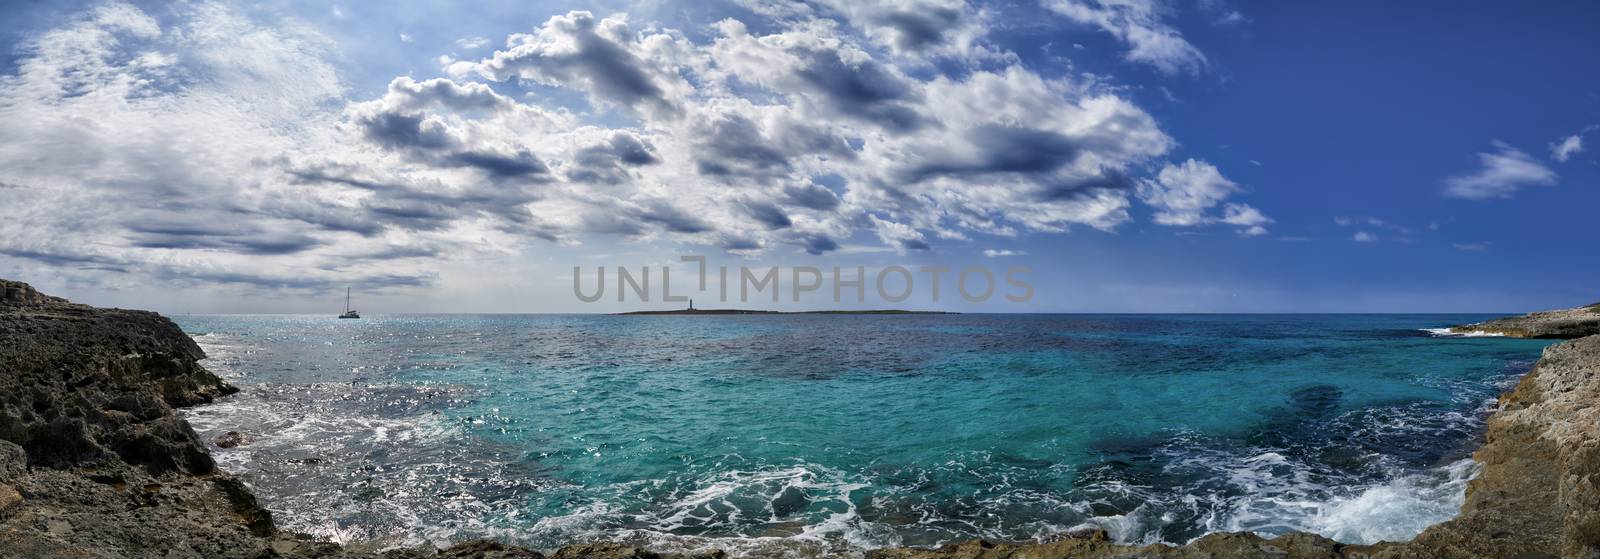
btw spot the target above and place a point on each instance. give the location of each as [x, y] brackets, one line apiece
[1449, 333]
[1398, 510]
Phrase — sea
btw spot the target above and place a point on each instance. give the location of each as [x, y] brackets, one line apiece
[828, 435]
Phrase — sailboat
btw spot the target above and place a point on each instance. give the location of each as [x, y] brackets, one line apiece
[348, 312]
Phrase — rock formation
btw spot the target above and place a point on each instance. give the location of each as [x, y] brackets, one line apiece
[95, 464]
[1557, 324]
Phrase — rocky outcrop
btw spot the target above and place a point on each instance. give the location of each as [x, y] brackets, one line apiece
[1539, 491]
[18, 293]
[95, 464]
[1564, 324]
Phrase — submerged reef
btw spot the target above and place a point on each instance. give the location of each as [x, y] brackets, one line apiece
[95, 463]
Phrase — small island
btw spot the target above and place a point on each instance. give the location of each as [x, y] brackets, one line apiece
[694, 311]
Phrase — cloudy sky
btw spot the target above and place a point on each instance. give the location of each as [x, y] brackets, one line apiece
[1137, 155]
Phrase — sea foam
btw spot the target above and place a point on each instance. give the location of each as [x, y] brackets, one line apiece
[1448, 333]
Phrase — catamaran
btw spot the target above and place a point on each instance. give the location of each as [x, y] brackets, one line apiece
[348, 312]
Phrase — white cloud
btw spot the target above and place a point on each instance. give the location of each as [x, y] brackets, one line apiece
[1184, 195]
[597, 56]
[1369, 221]
[405, 38]
[1247, 217]
[1141, 24]
[1364, 237]
[1563, 150]
[1503, 173]
[472, 43]
[898, 234]
[218, 149]
[1232, 17]
[997, 253]
[144, 148]
[1472, 247]
[1185, 191]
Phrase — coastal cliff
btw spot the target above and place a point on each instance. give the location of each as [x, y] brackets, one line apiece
[95, 463]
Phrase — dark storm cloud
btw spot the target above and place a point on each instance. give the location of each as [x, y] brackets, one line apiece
[818, 244]
[805, 139]
[398, 252]
[405, 131]
[218, 232]
[179, 228]
[265, 244]
[518, 164]
[429, 141]
[1002, 149]
[615, 72]
[180, 274]
[739, 243]
[1108, 179]
[603, 67]
[311, 175]
[407, 205]
[280, 243]
[324, 216]
[608, 162]
[673, 218]
[914, 244]
[64, 258]
[813, 196]
[641, 219]
[301, 282]
[606, 222]
[918, 29]
[412, 214]
[736, 146]
[768, 214]
[864, 90]
[631, 150]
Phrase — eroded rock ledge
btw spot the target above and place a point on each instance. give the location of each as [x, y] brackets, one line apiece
[95, 464]
[1557, 324]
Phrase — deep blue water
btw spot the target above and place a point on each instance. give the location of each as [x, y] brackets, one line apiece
[826, 434]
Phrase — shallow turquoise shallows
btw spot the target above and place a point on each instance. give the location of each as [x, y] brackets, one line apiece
[819, 435]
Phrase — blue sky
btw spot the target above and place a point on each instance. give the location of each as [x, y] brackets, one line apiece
[1139, 156]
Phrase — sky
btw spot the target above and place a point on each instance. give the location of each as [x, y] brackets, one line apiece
[1131, 155]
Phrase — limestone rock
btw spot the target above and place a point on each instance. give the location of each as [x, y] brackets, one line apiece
[1557, 324]
[231, 439]
[10, 500]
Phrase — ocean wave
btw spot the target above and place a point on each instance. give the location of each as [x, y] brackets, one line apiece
[1397, 510]
[1353, 478]
[808, 510]
[377, 457]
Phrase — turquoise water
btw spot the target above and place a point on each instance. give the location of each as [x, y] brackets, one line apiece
[817, 435]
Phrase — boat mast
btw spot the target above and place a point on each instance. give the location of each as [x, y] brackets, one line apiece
[347, 299]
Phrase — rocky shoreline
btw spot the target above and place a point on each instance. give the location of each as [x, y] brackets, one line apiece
[1558, 324]
[94, 463]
